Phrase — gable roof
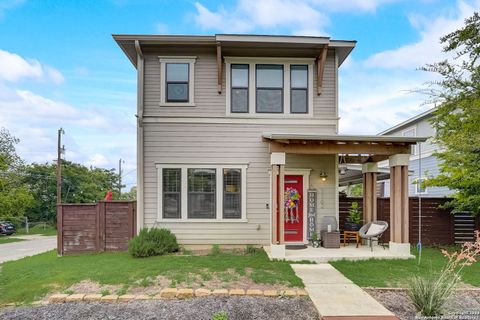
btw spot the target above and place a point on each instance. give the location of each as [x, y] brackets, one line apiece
[287, 45]
[412, 120]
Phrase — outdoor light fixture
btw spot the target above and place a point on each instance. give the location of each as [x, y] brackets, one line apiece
[323, 176]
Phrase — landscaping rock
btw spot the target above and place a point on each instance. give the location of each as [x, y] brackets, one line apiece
[302, 293]
[58, 297]
[92, 297]
[109, 298]
[220, 292]
[202, 292]
[289, 293]
[270, 293]
[142, 297]
[185, 293]
[168, 293]
[75, 297]
[237, 292]
[126, 298]
[237, 308]
[254, 292]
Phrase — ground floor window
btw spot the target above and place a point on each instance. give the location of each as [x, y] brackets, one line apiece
[201, 192]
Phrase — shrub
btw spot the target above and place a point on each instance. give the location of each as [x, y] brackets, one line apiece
[222, 315]
[215, 250]
[354, 214]
[429, 293]
[251, 250]
[152, 242]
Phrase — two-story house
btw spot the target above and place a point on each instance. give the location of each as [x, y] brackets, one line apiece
[238, 136]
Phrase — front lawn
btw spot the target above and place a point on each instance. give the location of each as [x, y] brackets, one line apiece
[396, 273]
[28, 279]
[4, 239]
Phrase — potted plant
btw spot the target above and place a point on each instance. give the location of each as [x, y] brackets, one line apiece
[354, 218]
[315, 240]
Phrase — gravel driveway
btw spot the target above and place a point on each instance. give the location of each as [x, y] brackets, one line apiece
[241, 308]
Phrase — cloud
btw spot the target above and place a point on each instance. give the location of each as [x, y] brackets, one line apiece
[97, 160]
[382, 90]
[161, 28]
[428, 48]
[268, 15]
[352, 5]
[14, 68]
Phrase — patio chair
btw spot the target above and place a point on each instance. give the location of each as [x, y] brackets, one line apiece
[373, 231]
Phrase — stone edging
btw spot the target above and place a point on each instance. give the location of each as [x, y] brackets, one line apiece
[172, 293]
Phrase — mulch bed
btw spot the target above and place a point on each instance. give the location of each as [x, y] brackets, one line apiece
[397, 301]
[237, 308]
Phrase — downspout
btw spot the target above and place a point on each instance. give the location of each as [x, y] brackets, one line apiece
[140, 173]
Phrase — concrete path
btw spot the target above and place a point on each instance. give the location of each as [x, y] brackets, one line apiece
[34, 244]
[336, 297]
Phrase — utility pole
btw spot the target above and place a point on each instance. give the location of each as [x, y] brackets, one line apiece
[60, 150]
[120, 176]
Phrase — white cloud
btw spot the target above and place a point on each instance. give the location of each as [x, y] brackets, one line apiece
[428, 49]
[382, 90]
[162, 28]
[268, 15]
[14, 68]
[352, 5]
[97, 160]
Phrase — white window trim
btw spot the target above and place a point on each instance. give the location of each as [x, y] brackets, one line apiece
[286, 62]
[219, 191]
[191, 80]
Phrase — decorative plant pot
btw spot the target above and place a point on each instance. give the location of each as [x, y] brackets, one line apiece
[316, 243]
[350, 226]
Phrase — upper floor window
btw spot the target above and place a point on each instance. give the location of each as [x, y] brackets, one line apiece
[299, 89]
[269, 88]
[239, 94]
[177, 81]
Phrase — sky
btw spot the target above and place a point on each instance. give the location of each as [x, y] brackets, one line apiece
[59, 66]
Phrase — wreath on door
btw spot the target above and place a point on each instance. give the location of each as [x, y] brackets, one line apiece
[292, 200]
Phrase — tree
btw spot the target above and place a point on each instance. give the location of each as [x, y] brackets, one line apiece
[15, 197]
[130, 195]
[457, 118]
[80, 184]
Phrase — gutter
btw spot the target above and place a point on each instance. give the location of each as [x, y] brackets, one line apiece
[140, 99]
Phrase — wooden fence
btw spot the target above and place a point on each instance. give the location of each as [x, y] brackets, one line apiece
[438, 226]
[96, 227]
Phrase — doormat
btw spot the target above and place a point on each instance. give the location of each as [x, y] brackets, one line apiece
[295, 246]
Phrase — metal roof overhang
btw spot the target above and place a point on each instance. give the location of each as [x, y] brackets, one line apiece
[242, 45]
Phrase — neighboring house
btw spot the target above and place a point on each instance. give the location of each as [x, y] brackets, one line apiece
[422, 154]
[227, 123]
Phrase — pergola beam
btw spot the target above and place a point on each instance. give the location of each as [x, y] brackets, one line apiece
[333, 148]
[321, 61]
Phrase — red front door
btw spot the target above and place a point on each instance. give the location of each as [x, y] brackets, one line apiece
[293, 208]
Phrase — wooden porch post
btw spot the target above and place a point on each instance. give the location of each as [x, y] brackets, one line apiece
[274, 204]
[399, 223]
[281, 206]
[369, 171]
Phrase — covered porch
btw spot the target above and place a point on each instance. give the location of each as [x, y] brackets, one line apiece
[344, 150]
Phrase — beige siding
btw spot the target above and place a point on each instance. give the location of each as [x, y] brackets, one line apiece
[211, 104]
[228, 143]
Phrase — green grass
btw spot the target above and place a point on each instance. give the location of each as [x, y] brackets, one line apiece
[397, 273]
[28, 279]
[43, 229]
[9, 239]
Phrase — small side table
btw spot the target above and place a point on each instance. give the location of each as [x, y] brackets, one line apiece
[347, 235]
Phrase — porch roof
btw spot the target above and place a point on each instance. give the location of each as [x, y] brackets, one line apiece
[358, 148]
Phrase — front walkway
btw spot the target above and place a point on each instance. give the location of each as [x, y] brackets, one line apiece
[33, 245]
[336, 297]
